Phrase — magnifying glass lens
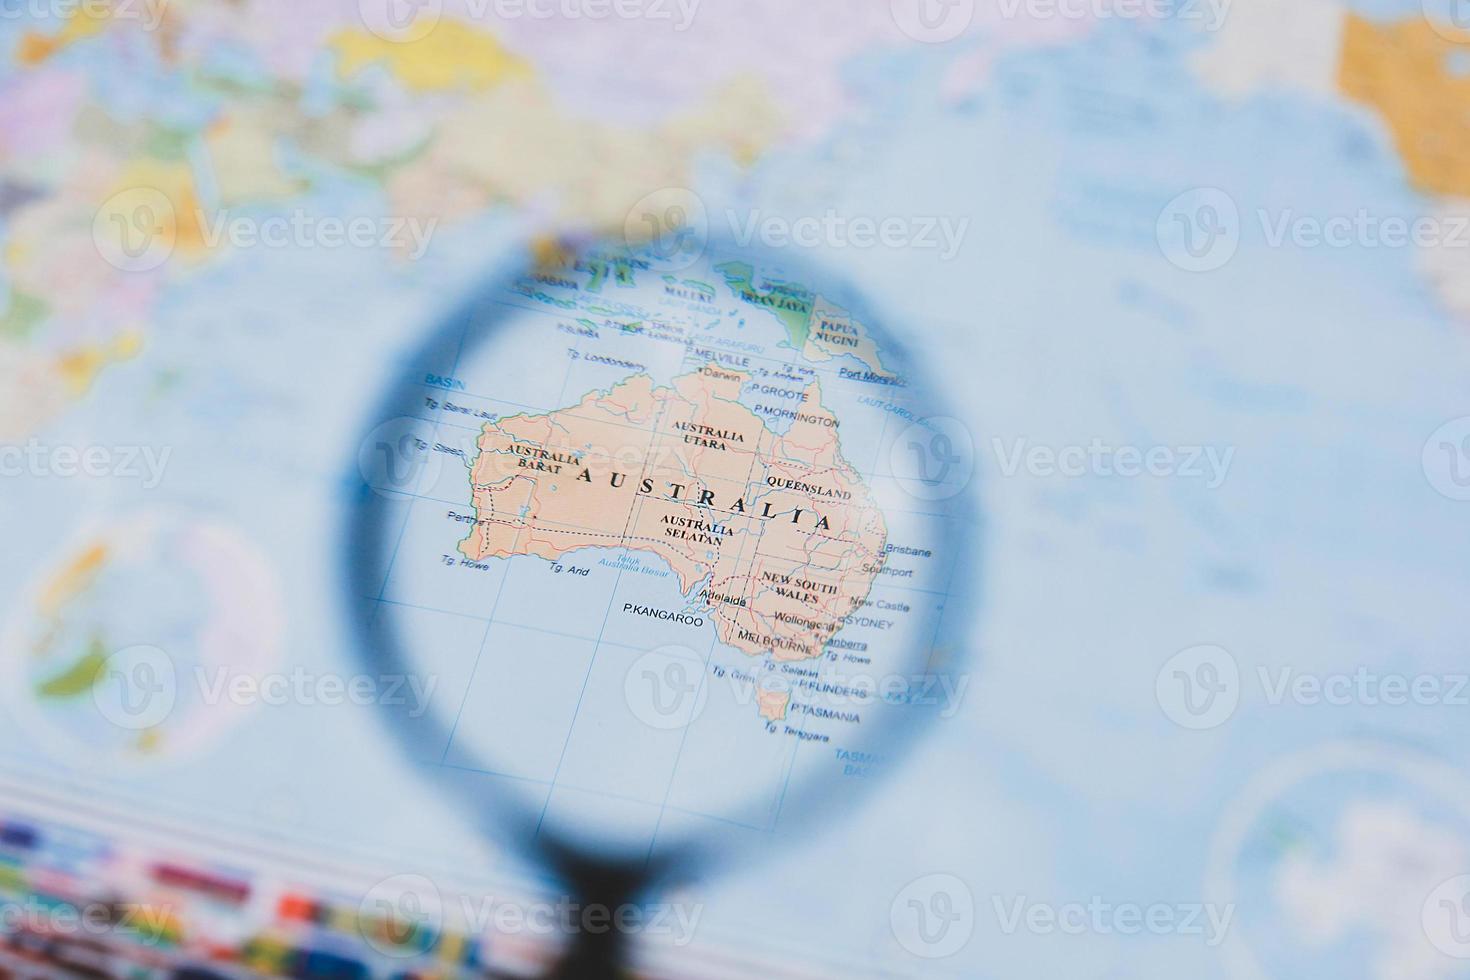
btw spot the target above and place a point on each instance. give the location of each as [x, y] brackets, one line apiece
[676, 537]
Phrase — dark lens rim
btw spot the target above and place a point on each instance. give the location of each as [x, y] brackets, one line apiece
[501, 816]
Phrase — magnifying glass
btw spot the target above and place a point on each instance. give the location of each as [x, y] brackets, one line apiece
[688, 539]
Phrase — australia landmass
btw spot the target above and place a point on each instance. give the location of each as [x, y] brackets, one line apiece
[777, 531]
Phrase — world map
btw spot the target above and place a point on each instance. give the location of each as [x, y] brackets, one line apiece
[151, 152]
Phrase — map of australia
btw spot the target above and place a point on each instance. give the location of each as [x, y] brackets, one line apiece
[776, 531]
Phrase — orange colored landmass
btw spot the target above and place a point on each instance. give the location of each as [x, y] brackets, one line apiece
[773, 704]
[778, 532]
[1402, 69]
[75, 578]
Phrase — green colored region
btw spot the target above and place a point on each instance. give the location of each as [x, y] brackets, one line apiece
[381, 170]
[80, 677]
[170, 144]
[541, 296]
[597, 275]
[211, 81]
[622, 326]
[704, 289]
[602, 268]
[164, 143]
[790, 303]
[737, 274]
[22, 315]
[166, 382]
